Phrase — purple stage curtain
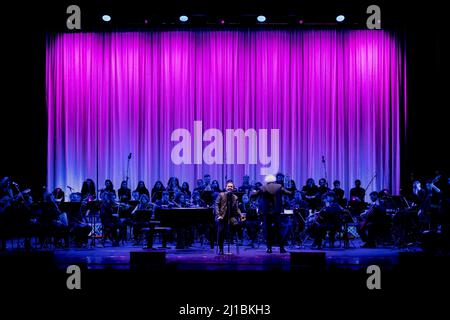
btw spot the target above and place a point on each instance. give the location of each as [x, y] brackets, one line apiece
[331, 94]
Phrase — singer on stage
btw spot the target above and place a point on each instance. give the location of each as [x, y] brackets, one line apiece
[228, 214]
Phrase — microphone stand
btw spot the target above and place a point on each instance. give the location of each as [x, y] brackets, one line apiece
[128, 167]
[325, 168]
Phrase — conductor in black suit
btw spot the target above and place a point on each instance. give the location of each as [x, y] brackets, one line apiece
[271, 206]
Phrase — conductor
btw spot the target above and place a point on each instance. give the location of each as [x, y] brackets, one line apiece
[271, 206]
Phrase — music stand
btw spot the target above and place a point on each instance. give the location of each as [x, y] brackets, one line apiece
[93, 208]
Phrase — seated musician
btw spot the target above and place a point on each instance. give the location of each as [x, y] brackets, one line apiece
[140, 222]
[197, 201]
[58, 194]
[141, 189]
[124, 192]
[339, 193]
[108, 190]
[323, 187]
[357, 196]
[79, 228]
[157, 190]
[182, 201]
[112, 225]
[52, 222]
[291, 187]
[311, 194]
[252, 222]
[165, 201]
[374, 222]
[246, 187]
[173, 187]
[200, 186]
[88, 192]
[185, 190]
[429, 211]
[300, 208]
[326, 220]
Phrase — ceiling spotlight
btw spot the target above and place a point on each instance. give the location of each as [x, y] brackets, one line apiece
[261, 18]
[340, 18]
[106, 18]
[222, 21]
[300, 21]
[184, 18]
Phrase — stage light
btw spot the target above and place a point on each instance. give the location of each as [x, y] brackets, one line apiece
[222, 21]
[261, 18]
[300, 21]
[146, 21]
[184, 18]
[106, 18]
[340, 18]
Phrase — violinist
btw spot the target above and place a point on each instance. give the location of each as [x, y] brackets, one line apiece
[373, 222]
[327, 220]
[140, 221]
[112, 225]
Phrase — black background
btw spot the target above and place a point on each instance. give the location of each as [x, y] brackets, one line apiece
[425, 146]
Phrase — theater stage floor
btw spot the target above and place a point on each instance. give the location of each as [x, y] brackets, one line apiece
[243, 258]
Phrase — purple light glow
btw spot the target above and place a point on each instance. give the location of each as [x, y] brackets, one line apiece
[330, 93]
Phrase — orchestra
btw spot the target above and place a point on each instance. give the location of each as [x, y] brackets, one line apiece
[317, 213]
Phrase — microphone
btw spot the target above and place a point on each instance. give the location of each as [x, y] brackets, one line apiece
[15, 184]
[129, 156]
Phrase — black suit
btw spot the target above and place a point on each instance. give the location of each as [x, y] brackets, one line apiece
[271, 206]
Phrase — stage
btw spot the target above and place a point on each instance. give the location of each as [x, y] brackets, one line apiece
[239, 258]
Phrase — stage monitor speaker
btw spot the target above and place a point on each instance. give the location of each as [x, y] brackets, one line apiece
[314, 260]
[144, 259]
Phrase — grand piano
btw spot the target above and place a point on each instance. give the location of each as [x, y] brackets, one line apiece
[182, 219]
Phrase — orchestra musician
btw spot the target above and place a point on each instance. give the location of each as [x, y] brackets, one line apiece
[323, 187]
[340, 195]
[111, 222]
[429, 211]
[108, 190]
[271, 206]
[246, 187]
[374, 222]
[140, 222]
[326, 220]
[88, 192]
[357, 196]
[300, 208]
[165, 201]
[311, 194]
[228, 214]
[124, 192]
[250, 210]
[185, 190]
[141, 189]
[157, 190]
